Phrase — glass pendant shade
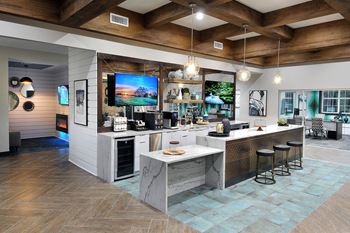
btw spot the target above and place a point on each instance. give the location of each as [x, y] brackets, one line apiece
[191, 68]
[243, 74]
[277, 78]
[26, 80]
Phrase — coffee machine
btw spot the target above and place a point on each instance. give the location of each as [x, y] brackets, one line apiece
[170, 119]
[154, 120]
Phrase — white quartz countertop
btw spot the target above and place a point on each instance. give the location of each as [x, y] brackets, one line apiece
[133, 133]
[192, 152]
[252, 132]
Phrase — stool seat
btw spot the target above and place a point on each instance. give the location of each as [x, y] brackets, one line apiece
[295, 143]
[265, 152]
[281, 147]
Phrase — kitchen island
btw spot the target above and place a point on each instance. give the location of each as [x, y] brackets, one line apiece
[241, 146]
[162, 176]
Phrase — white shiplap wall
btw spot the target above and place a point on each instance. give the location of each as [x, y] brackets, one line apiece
[82, 64]
[41, 121]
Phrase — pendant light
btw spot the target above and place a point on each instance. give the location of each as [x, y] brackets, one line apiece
[244, 74]
[191, 68]
[26, 79]
[277, 78]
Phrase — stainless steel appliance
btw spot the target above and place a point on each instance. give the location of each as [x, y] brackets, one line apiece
[123, 158]
[170, 120]
[155, 141]
[154, 120]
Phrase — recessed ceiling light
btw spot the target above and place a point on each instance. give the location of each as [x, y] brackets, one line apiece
[199, 15]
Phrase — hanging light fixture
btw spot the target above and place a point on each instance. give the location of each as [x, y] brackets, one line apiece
[26, 79]
[244, 74]
[191, 68]
[277, 78]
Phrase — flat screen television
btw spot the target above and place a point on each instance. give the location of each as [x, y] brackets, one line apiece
[219, 92]
[134, 90]
[63, 95]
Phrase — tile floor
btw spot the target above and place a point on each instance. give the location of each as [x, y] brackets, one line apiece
[252, 207]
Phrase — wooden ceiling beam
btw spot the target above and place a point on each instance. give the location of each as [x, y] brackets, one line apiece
[325, 55]
[305, 39]
[42, 10]
[238, 14]
[165, 14]
[341, 6]
[220, 32]
[297, 13]
[75, 13]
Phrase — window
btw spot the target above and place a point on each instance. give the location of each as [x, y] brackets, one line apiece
[289, 102]
[344, 102]
[330, 101]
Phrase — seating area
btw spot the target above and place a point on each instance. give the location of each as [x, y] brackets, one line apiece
[280, 162]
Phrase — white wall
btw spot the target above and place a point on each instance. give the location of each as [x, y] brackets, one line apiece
[41, 121]
[82, 64]
[308, 77]
[4, 124]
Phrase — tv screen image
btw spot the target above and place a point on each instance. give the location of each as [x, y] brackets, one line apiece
[219, 92]
[63, 95]
[136, 90]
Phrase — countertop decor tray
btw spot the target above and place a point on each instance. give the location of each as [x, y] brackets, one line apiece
[215, 134]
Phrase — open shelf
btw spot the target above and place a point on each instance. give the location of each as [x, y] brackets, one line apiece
[184, 101]
[183, 81]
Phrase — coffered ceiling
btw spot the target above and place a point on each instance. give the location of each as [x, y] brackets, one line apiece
[310, 31]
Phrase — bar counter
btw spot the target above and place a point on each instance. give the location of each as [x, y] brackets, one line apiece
[241, 146]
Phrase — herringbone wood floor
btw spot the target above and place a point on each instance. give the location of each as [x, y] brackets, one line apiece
[43, 192]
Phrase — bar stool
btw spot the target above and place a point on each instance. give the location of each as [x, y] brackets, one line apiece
[264, 179]
[297, 164]
[284, 149]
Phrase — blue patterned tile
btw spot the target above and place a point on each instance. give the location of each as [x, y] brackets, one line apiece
[200, 224]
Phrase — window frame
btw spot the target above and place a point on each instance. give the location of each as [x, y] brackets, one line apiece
[339, 98]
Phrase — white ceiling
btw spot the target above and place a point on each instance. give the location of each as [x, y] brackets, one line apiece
[310, 22]
[143, 6]
[264, 6]
[240, 37]
[199, 25]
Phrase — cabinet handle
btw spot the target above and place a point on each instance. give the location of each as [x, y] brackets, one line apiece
[184, 136]
[143, 142]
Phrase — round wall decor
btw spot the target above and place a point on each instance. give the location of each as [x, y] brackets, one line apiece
[28, 106]
[14, 82]
[13, 101]
[27, 90]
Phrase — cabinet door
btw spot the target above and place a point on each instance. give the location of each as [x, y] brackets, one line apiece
[187, 138]
[141, 146]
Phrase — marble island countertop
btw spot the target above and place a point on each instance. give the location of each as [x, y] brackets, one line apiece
[252, 132]
[133, 133]
[192, 152]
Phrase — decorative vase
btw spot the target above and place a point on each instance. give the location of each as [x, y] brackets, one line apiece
[346, 119]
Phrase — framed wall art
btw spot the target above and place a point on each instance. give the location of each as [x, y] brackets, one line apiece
[258, 103]
[81, 102]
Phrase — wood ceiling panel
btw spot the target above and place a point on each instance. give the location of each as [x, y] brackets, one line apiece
[341, 6]
[324, 55]
[166, 14]
[36, 9]
[305, 39]
[75, 13]
[297, 13]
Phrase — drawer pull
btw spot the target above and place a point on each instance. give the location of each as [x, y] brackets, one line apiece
[143, 142]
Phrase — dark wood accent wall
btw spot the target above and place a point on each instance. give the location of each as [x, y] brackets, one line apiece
[241, 154]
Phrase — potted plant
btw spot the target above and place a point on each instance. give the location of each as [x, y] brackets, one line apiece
[282, 122]
[185, 93]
